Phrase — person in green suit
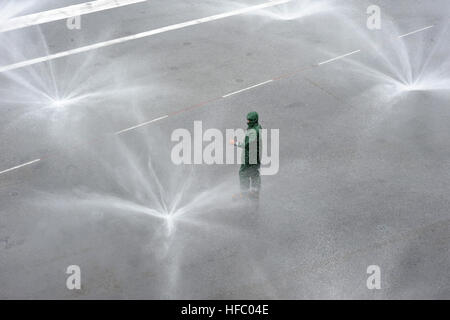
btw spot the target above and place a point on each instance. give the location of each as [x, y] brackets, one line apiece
[249, 177]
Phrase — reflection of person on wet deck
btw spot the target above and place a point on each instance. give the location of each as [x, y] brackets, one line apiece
[249, 177]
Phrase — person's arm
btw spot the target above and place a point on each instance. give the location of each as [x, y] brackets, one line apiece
[237, 144]
[250, 137]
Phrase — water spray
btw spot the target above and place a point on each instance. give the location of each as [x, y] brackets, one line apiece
[59, 103]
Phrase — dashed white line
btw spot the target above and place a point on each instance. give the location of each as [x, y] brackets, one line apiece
[63, 13]
[166, 116]
[340, 57]
[141, 125]
[412, 32]
[245, 89]
[140, 35]
[19, 166]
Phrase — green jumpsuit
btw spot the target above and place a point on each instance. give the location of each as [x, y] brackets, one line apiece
[249, 177]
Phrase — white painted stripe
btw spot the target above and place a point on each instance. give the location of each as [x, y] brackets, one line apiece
[142, 124]
[412, 32]
[19, 166]
[139, 35]
[337, 58]
[63, 13]
[248, 88]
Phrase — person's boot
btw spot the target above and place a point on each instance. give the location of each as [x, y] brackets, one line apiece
[254, 195]
[241, 195]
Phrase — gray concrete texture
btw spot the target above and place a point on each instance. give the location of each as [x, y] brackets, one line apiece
[364, 164]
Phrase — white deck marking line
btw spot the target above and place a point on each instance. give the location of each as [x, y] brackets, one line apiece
[19, 166]
[140, 35]
[337, 58]
[245, 89]
[141, 125]
[412, 32]
[63, 13]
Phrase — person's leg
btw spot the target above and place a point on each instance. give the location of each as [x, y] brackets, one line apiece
[244, 179]
[255, 183]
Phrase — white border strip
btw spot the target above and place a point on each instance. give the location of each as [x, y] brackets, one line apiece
[141, 125]
[337, 58]
[412, 32]
[248, 88]
[140, 35]
[19, 166]
[63, 13]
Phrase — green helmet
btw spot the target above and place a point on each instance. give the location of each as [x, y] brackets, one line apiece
[252, 117]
